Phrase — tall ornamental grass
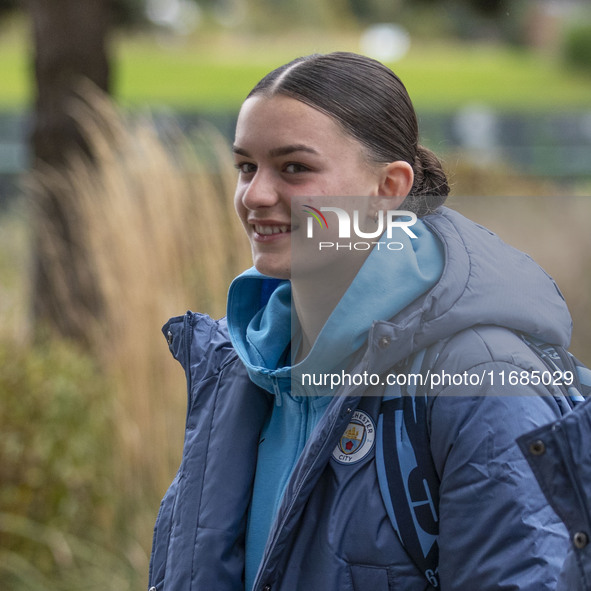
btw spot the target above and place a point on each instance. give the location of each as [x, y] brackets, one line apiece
[158, 236]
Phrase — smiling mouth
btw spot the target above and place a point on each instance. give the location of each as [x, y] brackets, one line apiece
[270, 230]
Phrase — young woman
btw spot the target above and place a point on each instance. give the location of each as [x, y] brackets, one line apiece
[282, 485]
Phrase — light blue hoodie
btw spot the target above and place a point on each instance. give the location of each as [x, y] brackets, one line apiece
[260, 326]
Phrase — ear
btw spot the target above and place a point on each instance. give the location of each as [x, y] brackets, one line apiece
[395, 183]
[396, 180]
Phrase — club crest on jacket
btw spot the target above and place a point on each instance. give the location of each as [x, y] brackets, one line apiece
[357, 440]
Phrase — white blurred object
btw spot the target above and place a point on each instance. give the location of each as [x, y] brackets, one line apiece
[180, 16]
[385, 42]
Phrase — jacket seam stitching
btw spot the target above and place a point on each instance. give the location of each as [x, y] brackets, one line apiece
[206, 463]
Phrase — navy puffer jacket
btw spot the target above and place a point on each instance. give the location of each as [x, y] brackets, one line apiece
[332, 531]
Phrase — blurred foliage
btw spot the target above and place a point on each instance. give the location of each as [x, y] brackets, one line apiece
[91, 439]
[490, 8]
[7, 6]
[464, 18]
[77, 562]
[498, 19]
[577, 46]
[56, 461]
[52, 396]
[125, 12]
[370, 11]
[129, 13]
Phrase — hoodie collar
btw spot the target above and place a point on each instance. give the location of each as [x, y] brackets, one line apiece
[260, 313]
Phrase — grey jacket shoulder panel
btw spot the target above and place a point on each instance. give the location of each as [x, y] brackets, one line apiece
[486, 281]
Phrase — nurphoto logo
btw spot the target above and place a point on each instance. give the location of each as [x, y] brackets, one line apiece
[385, 222]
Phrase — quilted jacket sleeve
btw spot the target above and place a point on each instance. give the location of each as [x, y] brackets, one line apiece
[497, 532]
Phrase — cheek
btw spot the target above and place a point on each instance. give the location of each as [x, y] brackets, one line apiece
[241, 211]
[365, 182]
[354, 180]
[238, 205]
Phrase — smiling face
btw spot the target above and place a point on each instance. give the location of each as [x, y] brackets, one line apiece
[284, 149]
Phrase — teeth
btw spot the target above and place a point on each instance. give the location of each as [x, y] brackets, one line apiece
[269, 230]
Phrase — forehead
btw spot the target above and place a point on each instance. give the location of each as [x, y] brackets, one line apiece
[272, 121]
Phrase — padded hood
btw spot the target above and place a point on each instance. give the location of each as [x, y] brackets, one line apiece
[484, 282]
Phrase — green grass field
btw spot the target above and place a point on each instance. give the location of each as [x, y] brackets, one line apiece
[214, 71]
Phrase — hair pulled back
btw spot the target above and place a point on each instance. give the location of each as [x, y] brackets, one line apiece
[370, 102]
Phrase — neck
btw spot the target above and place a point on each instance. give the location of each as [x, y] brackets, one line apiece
[315, 296]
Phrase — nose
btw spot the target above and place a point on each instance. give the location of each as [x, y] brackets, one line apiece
[260, 191]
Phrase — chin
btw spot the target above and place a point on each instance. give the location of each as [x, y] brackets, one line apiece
[275, 270]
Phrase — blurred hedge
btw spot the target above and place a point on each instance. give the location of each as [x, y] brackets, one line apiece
[577, 46]
[57, 499]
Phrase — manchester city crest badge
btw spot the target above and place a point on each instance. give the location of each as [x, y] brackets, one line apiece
[357, 440]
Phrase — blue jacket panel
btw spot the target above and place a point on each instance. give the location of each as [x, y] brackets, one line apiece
[203, 513]
[496, 531]
[560, 456]
[332, 531]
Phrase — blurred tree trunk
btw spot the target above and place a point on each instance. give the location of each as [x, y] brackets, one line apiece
[70, 44]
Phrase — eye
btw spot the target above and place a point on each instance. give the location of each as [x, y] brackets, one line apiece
[245, 167]
[295, 167]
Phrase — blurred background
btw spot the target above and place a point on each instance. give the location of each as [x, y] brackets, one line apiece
[116, 213]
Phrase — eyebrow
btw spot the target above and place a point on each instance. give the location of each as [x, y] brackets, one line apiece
[281, 151]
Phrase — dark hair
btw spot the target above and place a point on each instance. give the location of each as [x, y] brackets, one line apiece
[370, 102]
